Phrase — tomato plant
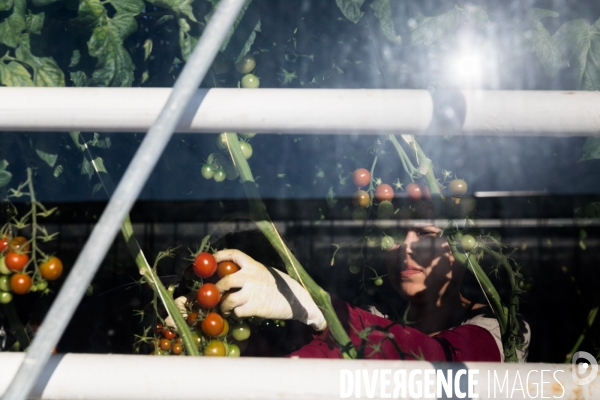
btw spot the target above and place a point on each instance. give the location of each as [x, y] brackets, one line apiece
[225, 268]
[468, 243]
[4, 283]
[20, 283]
[246, 149]
[205, 265]
[361, 177]
[385, 209]
[219, 175]
[208, 295]
[192, 318]
[213, 324]
[164, 344]
[5, 297]
[169, 334]
[234, 350]
[52, 269]
[16, 261]
[177, 349]
[384, 192]
[207, 171]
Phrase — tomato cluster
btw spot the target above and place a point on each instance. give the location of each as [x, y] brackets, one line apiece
[14, 259]
[213, 333]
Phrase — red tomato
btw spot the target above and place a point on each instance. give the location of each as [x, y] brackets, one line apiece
[20, 283]
[414, 191]
[52, 269]
[213, 324]
[177, 349]
[19, 244]
[208, 295]
[192, 317]
[16, 261]
[384, 192]
[361, 177]
[205, 265]
[159, 328]
[226, 268]
[169, 334]
[3, 243]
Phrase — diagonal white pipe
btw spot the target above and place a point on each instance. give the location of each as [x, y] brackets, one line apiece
[122, 200]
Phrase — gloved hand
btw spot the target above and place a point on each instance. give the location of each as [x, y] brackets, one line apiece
[266, 292]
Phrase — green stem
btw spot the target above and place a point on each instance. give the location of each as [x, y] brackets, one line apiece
[259, 215]
[34, 249]
[16, 325]
[144, 267]
[590, 321]
[488, 288]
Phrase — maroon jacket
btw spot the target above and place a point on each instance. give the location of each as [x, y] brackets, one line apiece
[462, 343]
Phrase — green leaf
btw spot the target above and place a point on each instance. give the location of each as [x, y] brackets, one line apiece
[476, 15]
[114, 67]
[47, 149]
[14, 74]
[383, 11]
[41, 3]
[580, 44]
[591, 149]
[97, 141]
[124, 24]
[179, 6]
[46, 71]
[535, 14]
[351, 9]
[90, 14]
[5, 176]
[187, 42]
[6, 5]
[86, 168]
[431, 29]
[75, 58]
[34, 22]
[130, 6]
[99, 165]
[331, 200]
[10, 29]
[79, 78]
[545, 49]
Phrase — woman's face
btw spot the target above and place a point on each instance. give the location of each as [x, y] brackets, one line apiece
[422, 268]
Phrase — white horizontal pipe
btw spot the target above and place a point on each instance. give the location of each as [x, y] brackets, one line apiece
[86, 376]
[552, 113]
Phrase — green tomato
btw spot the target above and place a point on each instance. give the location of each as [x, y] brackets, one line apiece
[385, 209]
[241, 331]
[247, 135]
[234, 351]
[208, 171]
[246, 64]
[378, 281]
[41, 285]
[359, 214]
[354, 269]
[231, 171]
[387, 242]
[3, 269]
[373, 240]
[246, 149]
[468, 242]
[398, 234]
[219, 175]
[250, 81]
[5, 297]
[5, 283]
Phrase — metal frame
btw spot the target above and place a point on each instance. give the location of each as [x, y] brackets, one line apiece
[122, 200]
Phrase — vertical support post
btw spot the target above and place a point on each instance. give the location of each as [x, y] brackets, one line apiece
[122, 200]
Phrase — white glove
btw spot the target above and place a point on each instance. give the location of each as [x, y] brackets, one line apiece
[266, 292]
[180, 302]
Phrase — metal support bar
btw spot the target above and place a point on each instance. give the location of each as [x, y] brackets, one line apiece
[362, 111]
[121, 202]
[128, 377]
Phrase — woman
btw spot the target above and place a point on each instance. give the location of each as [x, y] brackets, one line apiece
[447, 327]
